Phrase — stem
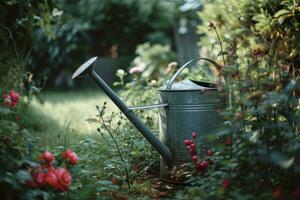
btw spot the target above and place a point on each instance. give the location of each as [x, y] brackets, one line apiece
[221, 46]
[119, 152]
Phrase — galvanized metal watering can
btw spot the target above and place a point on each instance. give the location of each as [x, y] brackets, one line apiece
[187, 106]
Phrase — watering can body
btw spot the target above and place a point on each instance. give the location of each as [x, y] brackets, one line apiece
[192, 107]
[184, 107]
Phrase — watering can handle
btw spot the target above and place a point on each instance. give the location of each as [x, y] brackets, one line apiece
[170, 82]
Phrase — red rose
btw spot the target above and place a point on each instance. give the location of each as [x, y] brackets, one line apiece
[64, 179]
[226, 183]
[39, 178]
[51, 179]
[47, 157]
[70, 156]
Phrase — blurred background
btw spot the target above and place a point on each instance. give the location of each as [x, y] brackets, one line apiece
[49, 40]
[58, 36]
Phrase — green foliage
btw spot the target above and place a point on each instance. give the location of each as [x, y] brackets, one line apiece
[18, 23]
[154, 58]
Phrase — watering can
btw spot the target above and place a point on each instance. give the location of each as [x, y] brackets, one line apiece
[185, 107]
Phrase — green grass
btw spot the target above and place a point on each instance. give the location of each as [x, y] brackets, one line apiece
[64, 113]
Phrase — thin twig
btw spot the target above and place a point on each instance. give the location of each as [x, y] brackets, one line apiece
[119, 151]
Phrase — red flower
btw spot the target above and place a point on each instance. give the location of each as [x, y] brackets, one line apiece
[11, 99]
[226, 183]
[51, 179]
[70, 156]
[64, 179]
[47, 157]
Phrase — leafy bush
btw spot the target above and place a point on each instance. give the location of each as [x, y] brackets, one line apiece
[255, 42]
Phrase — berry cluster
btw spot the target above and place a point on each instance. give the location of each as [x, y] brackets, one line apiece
[201, 165]
[12, 99]
[47, 175]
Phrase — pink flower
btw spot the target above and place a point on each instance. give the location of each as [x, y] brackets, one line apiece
[64, 179]
[136, 70]
[70, 156]
[47, 157]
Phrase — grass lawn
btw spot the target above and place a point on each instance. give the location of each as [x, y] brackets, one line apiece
[55, 113]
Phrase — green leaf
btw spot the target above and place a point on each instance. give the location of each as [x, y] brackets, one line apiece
[5, 111]
[282, 159]
[104, 182]
[282, 12]
[92, 120]
[22, 176]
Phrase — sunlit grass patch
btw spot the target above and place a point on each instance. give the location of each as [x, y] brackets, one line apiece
[64, 113]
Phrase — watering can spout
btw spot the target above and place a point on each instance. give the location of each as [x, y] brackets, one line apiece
[162, 149]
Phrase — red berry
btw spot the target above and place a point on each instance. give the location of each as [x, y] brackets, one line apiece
[202, 165]
[193, 146]
[194, 158]
[209, 152]
[226, 183]
[228, 141]
[188, 142]
[192, 152]
[194, 135]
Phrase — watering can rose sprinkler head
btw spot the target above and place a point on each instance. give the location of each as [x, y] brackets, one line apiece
[85, 68]
[162, 149]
